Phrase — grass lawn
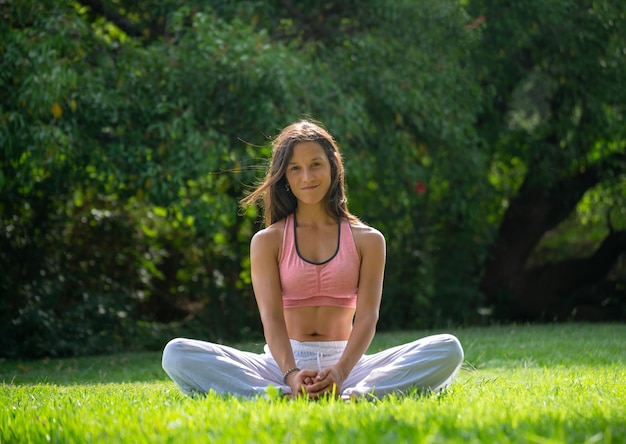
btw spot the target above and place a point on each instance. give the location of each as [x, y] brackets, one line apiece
[535, 384]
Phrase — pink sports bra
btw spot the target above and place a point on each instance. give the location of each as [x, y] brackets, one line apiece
[333, 282]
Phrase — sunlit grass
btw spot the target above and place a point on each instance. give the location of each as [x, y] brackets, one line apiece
[553, 383]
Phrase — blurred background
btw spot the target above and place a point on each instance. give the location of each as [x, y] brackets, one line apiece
[485, 139]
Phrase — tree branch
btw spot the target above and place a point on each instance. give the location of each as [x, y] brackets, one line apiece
[546, 289]
[531, 213]
[124, 23]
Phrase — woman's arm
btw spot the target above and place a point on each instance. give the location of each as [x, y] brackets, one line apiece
[264, 251]
[371, 244]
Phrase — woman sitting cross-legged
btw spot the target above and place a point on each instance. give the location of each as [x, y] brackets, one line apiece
[317, 275]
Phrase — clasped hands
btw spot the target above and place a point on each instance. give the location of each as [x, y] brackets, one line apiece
[314, 384]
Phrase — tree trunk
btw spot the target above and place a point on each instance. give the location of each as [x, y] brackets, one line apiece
[546, 291]
[534, 211]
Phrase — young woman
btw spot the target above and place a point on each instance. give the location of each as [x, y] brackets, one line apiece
[317, 275]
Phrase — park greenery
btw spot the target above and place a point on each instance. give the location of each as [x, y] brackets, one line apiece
[486, 140]
[558, 383]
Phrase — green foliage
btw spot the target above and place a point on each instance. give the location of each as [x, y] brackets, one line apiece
[130, 130]
[552, 74]
[555, 71]
[121, 182]
[125, 161]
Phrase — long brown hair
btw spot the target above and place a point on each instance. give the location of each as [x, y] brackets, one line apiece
[278, 202]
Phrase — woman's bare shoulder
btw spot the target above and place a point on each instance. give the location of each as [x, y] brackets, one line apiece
[366, 233]
[269, 237]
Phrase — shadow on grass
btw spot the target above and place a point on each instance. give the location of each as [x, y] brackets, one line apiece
[118, 368]
[142, 366]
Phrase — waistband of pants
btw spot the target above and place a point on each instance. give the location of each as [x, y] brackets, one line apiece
[314, 350]
[315, 355]
[324, 347]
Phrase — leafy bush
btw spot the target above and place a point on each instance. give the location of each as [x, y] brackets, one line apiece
[130, 130]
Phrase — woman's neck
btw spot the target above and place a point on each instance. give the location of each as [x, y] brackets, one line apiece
[317, 215]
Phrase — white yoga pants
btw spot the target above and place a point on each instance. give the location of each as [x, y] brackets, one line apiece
[199, 367]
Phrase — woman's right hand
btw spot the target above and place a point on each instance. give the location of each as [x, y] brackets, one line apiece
[299, 380]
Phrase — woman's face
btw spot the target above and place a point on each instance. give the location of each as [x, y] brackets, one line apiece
[309, 173]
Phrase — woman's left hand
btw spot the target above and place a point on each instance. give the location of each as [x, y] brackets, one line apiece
[327, 382]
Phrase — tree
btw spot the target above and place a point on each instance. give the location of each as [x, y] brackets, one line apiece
[555, 118]
[477, 143]
[134, 127]
[122, 170]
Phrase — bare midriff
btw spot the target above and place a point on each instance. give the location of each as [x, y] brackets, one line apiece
[319, 323]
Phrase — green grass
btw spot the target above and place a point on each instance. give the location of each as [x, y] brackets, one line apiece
[537, 384]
